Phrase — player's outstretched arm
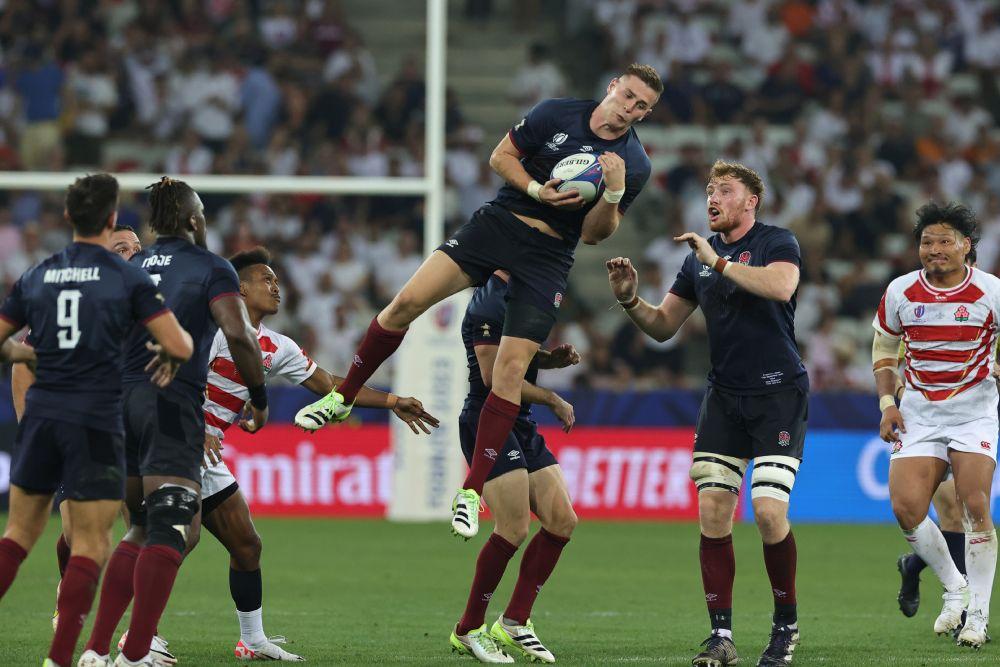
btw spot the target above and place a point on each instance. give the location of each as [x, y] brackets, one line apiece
[530, 393]
[776, 281]
[602, 221]
[658, 322]
[230, 313]
[409, 409]
[885, 360]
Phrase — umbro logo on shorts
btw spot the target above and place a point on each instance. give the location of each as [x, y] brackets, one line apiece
[357, 360]
[492, 454]
[452, 243]
[513, 455]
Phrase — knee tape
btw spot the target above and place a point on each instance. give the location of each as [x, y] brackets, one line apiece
[717, 471]
[523, 320]
[773, 477]
[170, 510]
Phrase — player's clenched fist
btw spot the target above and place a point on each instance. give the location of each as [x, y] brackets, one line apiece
[623, 278]
[613, 168]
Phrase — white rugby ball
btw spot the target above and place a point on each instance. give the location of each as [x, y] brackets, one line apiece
[580, 171]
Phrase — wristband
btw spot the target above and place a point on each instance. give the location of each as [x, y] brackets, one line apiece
[533, 188]
[886, 402]
[630, 304]
[720, 265]
[258, 396]
[613, 196]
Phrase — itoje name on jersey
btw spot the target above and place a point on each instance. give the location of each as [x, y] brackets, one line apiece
[73, 274]
[157, 260]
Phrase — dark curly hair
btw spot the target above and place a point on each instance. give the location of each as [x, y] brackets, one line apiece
[959, 217]
[169, 201]
[248, 258]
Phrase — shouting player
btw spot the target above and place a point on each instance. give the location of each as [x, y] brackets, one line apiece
[79, 305]
[526, 479]
[531, 229]
[744, 278]
[165, 429]
[946, 314]
[224, 509]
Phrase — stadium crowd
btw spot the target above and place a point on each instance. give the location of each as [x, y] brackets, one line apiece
[853, 112]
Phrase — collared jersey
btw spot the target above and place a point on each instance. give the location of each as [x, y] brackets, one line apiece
[227, 391]
[555, 129]
[80, 304]
[949, 336]
[751, 339]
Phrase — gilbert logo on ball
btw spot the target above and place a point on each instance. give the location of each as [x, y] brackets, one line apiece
[582, 172]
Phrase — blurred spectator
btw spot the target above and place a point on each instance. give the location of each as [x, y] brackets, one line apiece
[538, 79]
[39, 82]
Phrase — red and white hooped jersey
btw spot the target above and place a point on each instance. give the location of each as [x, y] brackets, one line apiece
[949, 336]
[227, 393]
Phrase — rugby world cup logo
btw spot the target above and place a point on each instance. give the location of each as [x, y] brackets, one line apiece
[962, 314]
[919, 311]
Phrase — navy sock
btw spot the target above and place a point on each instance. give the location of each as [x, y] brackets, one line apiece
[956, 547]
[246, 589]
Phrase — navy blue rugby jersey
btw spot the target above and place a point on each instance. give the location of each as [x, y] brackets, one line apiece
[190, 278]
[80, 304]
[483, 325]
[751, 339]
[555, 129]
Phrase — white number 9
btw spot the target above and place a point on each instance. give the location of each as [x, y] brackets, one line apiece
[68, 318]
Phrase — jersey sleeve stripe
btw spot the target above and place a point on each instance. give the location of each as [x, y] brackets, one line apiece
[223, 295]
[158, 313]
[225, 399]
[510, 135]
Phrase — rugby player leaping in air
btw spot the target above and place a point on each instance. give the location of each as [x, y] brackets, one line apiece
[531, 230]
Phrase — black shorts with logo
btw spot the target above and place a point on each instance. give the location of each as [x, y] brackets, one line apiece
[83, 463]
[748, 426]
[524, 447]
[539, 266]
[164, 433]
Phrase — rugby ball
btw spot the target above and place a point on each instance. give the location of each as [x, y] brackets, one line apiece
[580, 171]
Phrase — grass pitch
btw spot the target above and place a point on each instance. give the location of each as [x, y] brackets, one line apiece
[365, 592]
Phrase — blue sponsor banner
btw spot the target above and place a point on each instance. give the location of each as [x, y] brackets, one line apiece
[845, 478]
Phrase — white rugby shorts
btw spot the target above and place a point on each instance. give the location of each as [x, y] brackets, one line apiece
[214, 479]
[977, 436]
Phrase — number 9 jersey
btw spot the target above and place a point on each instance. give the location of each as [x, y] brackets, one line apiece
[80, 304]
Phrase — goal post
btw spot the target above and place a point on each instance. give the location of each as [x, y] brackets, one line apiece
[424, 350]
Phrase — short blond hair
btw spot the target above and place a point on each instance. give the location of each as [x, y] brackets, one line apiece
[647, 74]
[742, 173]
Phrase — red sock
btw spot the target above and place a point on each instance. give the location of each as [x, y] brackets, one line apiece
[780, 560]
[76, 594]
[377, 346]
[490, 565]
[718, 570]
[116, 593]
[155, 571]
[539, 560]
[495, 422]
[12, 555]
[62, 554]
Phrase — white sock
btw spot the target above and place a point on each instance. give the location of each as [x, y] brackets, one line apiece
[928, 543]
[722, 632]
[981, 564]
[252, 627]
